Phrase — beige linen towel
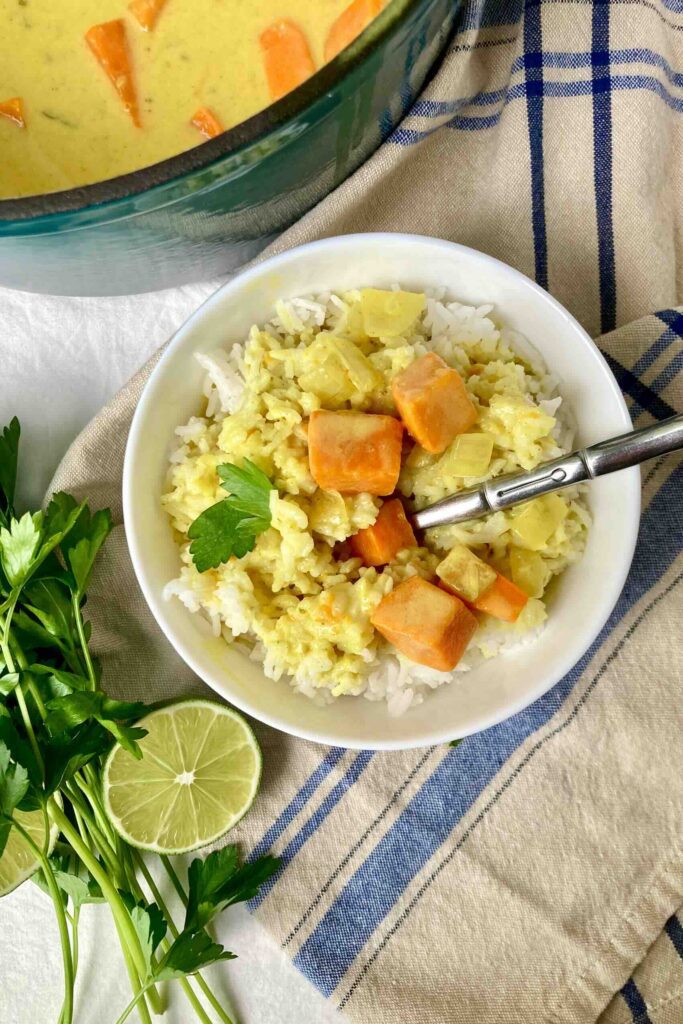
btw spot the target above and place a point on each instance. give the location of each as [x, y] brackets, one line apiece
[522, 876]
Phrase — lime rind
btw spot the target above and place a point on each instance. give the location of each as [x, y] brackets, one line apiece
[199, 775]
[17, 863]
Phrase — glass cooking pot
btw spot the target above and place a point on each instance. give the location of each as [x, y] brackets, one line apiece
[210, 209]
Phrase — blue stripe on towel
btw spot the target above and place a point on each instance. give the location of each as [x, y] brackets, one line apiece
[674, 930]
[358, 766]
[602, 156]
[536, 89]
[641, 393]
[655, 350]
[635, 1002]
[429, 818]
[533, 44]
[568, 60]
[663, 379]
[673, 319]
[331, 758]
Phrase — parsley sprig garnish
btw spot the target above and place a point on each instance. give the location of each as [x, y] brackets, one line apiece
[231, 526]
[57, 723]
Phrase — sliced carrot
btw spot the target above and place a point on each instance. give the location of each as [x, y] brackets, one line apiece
[146, 12]
[13, 110]
[390, 533]
[207, 123]
[286, 57]
[427, 624]
[353, 452]
[433, 402]
[503, 599]
[109, 44]
[350, 23]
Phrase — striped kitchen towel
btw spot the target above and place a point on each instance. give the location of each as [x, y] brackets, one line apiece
[533, 873]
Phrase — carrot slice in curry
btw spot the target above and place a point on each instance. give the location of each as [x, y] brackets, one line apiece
[146, 12]
[286, 57]
[350, 24]
[109, 44]
[13, 110]
[207, 123]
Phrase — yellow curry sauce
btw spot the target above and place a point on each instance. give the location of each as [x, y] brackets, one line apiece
[76, 76]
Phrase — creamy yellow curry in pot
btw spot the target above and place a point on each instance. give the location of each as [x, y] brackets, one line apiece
[90, 89]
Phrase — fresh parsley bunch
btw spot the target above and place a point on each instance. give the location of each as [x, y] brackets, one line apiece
[56, 725]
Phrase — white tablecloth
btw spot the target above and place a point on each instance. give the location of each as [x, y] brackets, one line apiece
[60, 361]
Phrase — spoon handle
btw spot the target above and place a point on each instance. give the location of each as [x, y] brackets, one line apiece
[635, 447]
[607, 457]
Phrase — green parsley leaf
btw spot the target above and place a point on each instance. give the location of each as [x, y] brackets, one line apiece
[231, 526]
[217, 534]
[67, 712]
[20, 749]
[150, 925]
[19, 546]
[9, 455]
[455, 743]
[66, 753]
[219, 880]
[249, 489]
[79, 890]
[83, 543]
[190, 952]
[60, 518]
[13, 789]
[49, 601]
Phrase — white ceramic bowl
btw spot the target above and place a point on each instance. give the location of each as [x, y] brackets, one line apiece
[587, 592]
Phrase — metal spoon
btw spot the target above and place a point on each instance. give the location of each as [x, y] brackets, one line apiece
[587, 463]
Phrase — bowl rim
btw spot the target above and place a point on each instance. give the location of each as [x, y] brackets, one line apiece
[614, 584]
[108, 195]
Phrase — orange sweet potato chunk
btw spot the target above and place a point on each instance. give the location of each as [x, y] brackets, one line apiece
[503, 599]
[433, 402]
[427, 624]
[390, 533]
[354, 451]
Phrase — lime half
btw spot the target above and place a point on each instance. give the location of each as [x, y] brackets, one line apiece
[18, 862]
[199, 773]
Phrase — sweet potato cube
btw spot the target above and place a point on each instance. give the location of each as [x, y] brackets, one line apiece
[433, 402]
[428, 625]
[502, 599]
[353, 452]
[390, 533]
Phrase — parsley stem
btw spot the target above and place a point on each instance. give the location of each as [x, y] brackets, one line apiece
[9, 662]
[28, 725]
[177, 884]
[97, 823]
[90, 832]
[119, 911]
[76, 603]
[153, 888]
[132, 1004]
[66, 1015]
[74, 938]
